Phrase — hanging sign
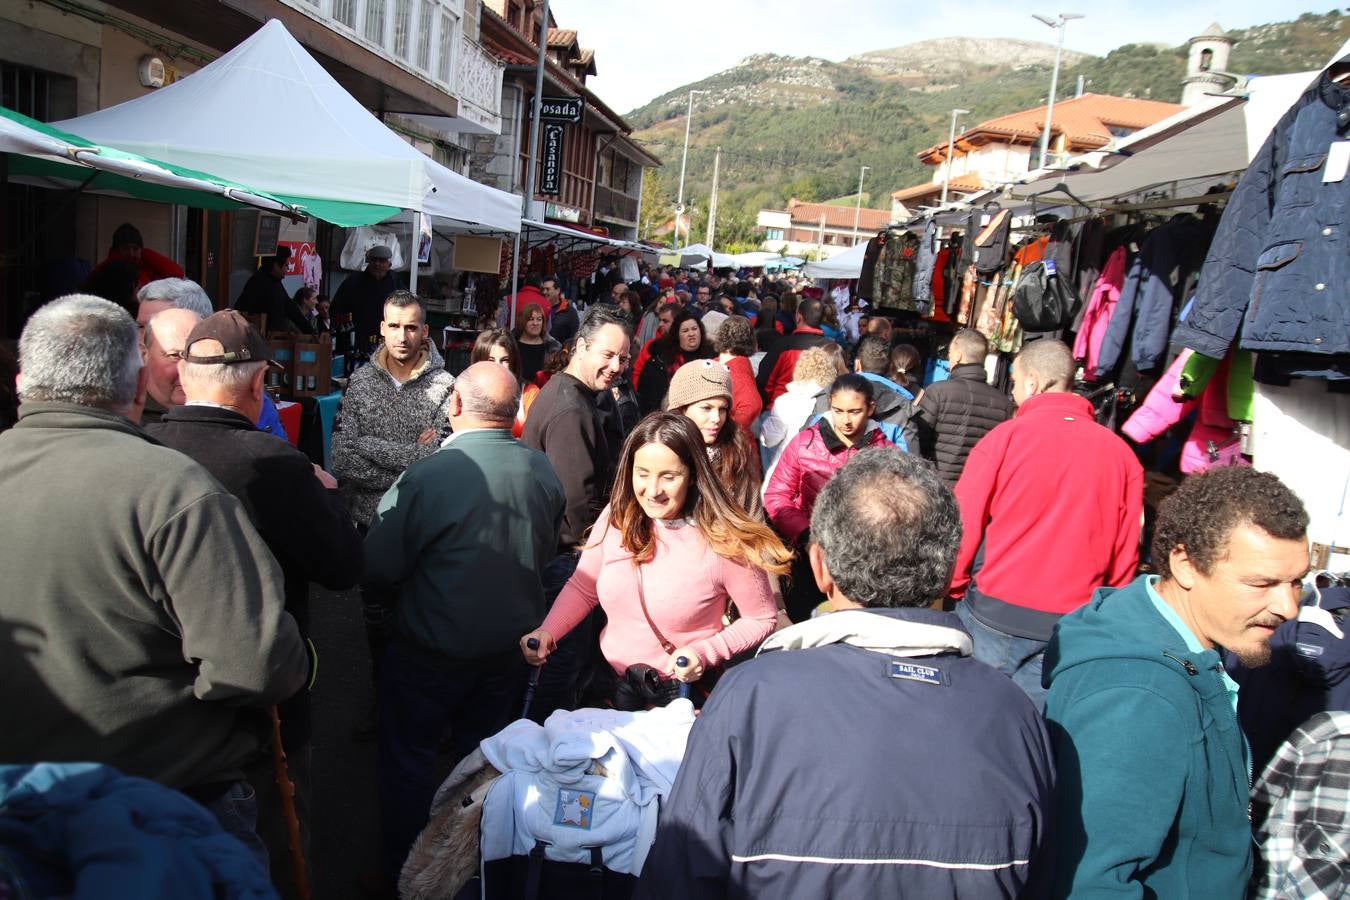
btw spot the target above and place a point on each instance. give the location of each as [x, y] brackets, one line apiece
[550, 181]
[561, 109]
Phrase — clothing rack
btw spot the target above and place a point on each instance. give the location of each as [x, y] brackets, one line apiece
[1170, 202]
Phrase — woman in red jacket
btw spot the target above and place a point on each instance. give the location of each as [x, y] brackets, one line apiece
[808, 462]
[735, 344]
[702, 391]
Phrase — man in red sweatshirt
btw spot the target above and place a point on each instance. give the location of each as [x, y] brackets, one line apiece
[775, 370]
[1050, 511]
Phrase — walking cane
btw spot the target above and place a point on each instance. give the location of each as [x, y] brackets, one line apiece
[287, 790]
[533, 644]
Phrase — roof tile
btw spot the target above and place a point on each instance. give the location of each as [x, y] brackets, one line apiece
[808, 215]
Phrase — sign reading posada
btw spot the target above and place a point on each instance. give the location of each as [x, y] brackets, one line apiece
[561, 109]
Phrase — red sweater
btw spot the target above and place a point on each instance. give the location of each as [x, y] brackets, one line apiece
[1053, 501]
[746, 404]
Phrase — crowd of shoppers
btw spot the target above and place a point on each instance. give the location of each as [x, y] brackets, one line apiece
[1077, 720]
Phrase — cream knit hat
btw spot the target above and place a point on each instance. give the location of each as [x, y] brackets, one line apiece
[700, 379]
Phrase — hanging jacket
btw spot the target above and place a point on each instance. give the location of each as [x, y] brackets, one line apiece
[808, 462]
[1143, 314]
[1087, 344]
[868, 274]
[1213, 440]
[923, 266]
[1278, 271]
[991, 243]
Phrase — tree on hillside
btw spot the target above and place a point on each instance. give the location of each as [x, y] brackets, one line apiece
[656, 206]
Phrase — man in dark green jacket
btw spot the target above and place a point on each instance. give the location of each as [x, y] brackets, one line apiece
[141, 614]
[462, 537]
[1154, 772]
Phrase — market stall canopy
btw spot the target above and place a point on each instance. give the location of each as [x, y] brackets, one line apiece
[1187, 151]
[845, 265]
[545, 232]
[754, 260]
[45, 156]
[331, 156]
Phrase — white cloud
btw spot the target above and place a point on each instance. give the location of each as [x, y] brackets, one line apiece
[643, 51]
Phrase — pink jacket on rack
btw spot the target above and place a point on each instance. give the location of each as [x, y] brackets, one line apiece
[1088, 345]
[1160, 411]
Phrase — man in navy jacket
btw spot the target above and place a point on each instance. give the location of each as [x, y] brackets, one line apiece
[864, 753]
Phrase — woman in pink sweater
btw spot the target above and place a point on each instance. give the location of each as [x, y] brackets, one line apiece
[673, 539]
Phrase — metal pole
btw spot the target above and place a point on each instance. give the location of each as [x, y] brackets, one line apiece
[534, 151]
[712, 201]
[684, 162]
[951, 151]
[857, 210]
[1060, 24]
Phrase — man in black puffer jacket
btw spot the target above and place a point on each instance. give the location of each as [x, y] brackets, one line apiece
[962, 409]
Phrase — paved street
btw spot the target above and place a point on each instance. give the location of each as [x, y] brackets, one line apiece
[346, 809]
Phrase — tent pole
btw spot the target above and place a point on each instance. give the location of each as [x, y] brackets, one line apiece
[413, 245]
[515, 274]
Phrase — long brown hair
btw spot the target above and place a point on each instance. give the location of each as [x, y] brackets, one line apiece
[727, 528]
[734, 457]
[497, 337]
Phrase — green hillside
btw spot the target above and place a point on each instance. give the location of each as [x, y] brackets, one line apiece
[792, 127]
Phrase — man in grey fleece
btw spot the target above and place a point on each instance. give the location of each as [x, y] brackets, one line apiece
[157, 639]
[391, 417]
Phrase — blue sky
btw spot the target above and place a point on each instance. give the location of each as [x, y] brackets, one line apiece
[643, 51]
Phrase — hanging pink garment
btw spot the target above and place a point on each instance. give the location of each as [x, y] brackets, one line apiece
[1087, 345]
[1213, 440]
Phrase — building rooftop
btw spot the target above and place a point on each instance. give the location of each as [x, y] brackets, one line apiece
[1086, 122]
[808, 215]
[963, 184]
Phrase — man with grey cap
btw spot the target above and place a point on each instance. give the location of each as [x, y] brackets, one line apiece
[157, 640]
[294, 505]
[362, 295]
[462, 537]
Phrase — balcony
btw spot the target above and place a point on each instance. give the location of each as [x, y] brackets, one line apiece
[480, 87]
[615, 206]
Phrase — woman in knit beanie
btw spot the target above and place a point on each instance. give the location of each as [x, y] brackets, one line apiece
[701, 391]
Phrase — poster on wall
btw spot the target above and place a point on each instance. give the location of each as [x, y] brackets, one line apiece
[305, 262]
[550, 182]
[424, 240]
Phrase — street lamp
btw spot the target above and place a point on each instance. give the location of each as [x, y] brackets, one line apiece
[1058, 23]
[951, 149]
[684, 160]
[857, 212]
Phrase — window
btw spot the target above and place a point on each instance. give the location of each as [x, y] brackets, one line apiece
[446, 56]
[1206, 60]
[424, 26]
[374, 27]
[344, 11]
[402, 22]
[773, 234]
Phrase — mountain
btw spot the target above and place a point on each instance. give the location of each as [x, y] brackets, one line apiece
[802, 126]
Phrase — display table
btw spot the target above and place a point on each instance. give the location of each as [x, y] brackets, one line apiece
[328, 406]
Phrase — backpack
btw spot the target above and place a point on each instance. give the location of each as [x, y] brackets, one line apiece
[1040, 301]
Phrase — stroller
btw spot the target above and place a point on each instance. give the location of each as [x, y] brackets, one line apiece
[567, 809]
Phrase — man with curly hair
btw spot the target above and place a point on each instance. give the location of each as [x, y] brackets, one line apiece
[1154, 771]
[943, 785]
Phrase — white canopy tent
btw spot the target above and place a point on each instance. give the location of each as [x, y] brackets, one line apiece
[844, 265]
[333, 158]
